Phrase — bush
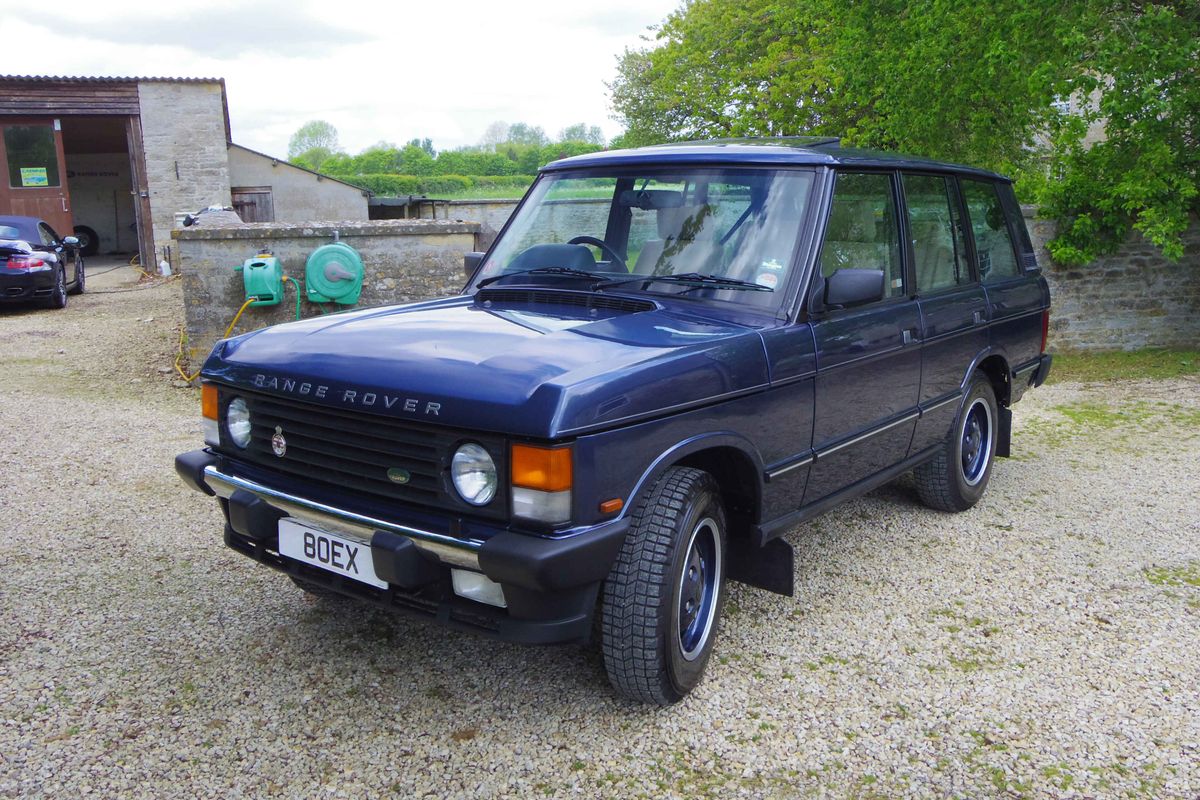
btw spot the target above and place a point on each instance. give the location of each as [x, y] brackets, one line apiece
[386, 185]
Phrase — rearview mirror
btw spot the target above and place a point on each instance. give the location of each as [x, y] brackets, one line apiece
[471, 262]
[71, 241]
[853, 287]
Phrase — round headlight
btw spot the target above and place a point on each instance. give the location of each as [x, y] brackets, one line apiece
[237, 422]
[474, 474]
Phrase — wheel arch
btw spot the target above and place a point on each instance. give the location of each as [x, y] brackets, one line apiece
[996, 368]
[734, 464]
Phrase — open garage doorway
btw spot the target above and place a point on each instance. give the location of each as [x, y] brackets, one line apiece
[101, 180]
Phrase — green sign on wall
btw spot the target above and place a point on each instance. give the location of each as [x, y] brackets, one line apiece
[34, 176]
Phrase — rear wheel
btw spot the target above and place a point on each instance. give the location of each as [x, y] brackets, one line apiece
[58, 295]
[957, 478]
[661, 602]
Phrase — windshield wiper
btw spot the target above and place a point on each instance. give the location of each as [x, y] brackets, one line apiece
[576, 273]
[698, 278]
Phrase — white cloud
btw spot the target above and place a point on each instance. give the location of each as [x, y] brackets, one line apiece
[389, 71]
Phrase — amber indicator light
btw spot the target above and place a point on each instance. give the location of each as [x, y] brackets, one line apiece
[208, 401]
[545, 468]
[612, 506]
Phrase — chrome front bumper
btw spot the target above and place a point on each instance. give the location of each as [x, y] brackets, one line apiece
[447, 549]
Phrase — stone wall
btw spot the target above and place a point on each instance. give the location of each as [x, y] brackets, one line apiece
[296, 194]
[184, 138]
[490, 214]
[1131, 299]
[404, 260]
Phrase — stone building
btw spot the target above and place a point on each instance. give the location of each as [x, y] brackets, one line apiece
[115, 159]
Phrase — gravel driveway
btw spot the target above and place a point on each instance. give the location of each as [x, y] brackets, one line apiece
[1044, 644]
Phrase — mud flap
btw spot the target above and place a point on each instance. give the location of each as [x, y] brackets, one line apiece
[1004, 432]
[769, 567]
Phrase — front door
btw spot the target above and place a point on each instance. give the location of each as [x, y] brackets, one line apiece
[34, 183]
[868, 360]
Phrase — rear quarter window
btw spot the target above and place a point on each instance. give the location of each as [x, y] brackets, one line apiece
[995, 255]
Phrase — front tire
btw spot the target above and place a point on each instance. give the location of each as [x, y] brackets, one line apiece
[958, 476]
[80, 277]
[661, 603]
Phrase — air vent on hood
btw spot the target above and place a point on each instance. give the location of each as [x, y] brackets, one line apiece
[626, 305]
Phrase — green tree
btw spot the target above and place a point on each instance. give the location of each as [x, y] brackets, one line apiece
[425, 144]
[1140, 85]
[523, 133]
[313, 143]
[971, 82]
[581, 132]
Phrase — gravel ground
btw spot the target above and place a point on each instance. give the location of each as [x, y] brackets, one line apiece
[1044, 644]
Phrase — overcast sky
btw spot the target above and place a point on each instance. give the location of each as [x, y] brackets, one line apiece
[376, 70]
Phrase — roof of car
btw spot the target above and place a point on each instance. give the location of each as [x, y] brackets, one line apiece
[26, 225]
[776, 151]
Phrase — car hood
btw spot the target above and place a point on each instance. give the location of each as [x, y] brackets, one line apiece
[541, 371]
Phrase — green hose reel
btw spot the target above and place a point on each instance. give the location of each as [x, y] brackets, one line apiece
[334, 274]
[262, 278]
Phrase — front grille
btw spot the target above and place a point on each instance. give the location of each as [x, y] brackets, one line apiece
[353, 452]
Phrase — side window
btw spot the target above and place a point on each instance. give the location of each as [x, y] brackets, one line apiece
[862, 231]
[994, 251]
[940, 255]
[47, 236]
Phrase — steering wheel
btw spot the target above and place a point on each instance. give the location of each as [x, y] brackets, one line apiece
[604, 248]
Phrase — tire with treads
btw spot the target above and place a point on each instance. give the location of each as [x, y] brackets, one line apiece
[661, 602]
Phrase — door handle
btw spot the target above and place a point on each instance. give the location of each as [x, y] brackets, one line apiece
[64, 202]
[978, 317]
[907, 335]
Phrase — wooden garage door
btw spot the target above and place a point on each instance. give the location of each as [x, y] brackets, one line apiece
[253, 203]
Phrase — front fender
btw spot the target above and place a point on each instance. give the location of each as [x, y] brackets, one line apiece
[692, 446]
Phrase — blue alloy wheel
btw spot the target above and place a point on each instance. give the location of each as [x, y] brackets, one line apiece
[698, 588]
[976, 442]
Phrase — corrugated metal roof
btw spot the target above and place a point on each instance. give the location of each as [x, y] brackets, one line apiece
[95, 79]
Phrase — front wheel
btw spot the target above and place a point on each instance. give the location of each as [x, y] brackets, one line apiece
[80, 277]
[957, 477]
[661, 602]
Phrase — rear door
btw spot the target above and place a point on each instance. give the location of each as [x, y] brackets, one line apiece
[34, 183]
[1016, 297]
[868, 364]
[953, 304]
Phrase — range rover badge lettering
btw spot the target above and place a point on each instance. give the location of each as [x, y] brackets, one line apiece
[278, 443]
[397, 475]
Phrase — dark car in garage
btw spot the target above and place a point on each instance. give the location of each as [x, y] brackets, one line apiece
[36, 264]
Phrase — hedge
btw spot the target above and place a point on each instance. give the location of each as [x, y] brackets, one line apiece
[387, 185]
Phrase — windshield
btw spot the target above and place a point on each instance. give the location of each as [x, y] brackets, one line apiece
[679, 227]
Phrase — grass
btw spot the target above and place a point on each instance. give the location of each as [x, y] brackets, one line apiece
[1084, 367]
[482, 193]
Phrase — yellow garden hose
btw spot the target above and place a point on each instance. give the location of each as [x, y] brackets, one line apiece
[229, 330]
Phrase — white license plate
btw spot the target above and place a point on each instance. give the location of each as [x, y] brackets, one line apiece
[327, 551]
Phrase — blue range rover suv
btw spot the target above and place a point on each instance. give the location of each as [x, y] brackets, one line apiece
[670, 357]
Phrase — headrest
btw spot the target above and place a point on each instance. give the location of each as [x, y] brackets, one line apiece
[684, 222]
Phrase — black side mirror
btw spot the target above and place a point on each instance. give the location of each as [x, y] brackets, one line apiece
[471, 262]
[853, 287]
[71, 241]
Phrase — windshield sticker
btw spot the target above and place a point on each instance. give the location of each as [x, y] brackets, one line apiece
[34, 176]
